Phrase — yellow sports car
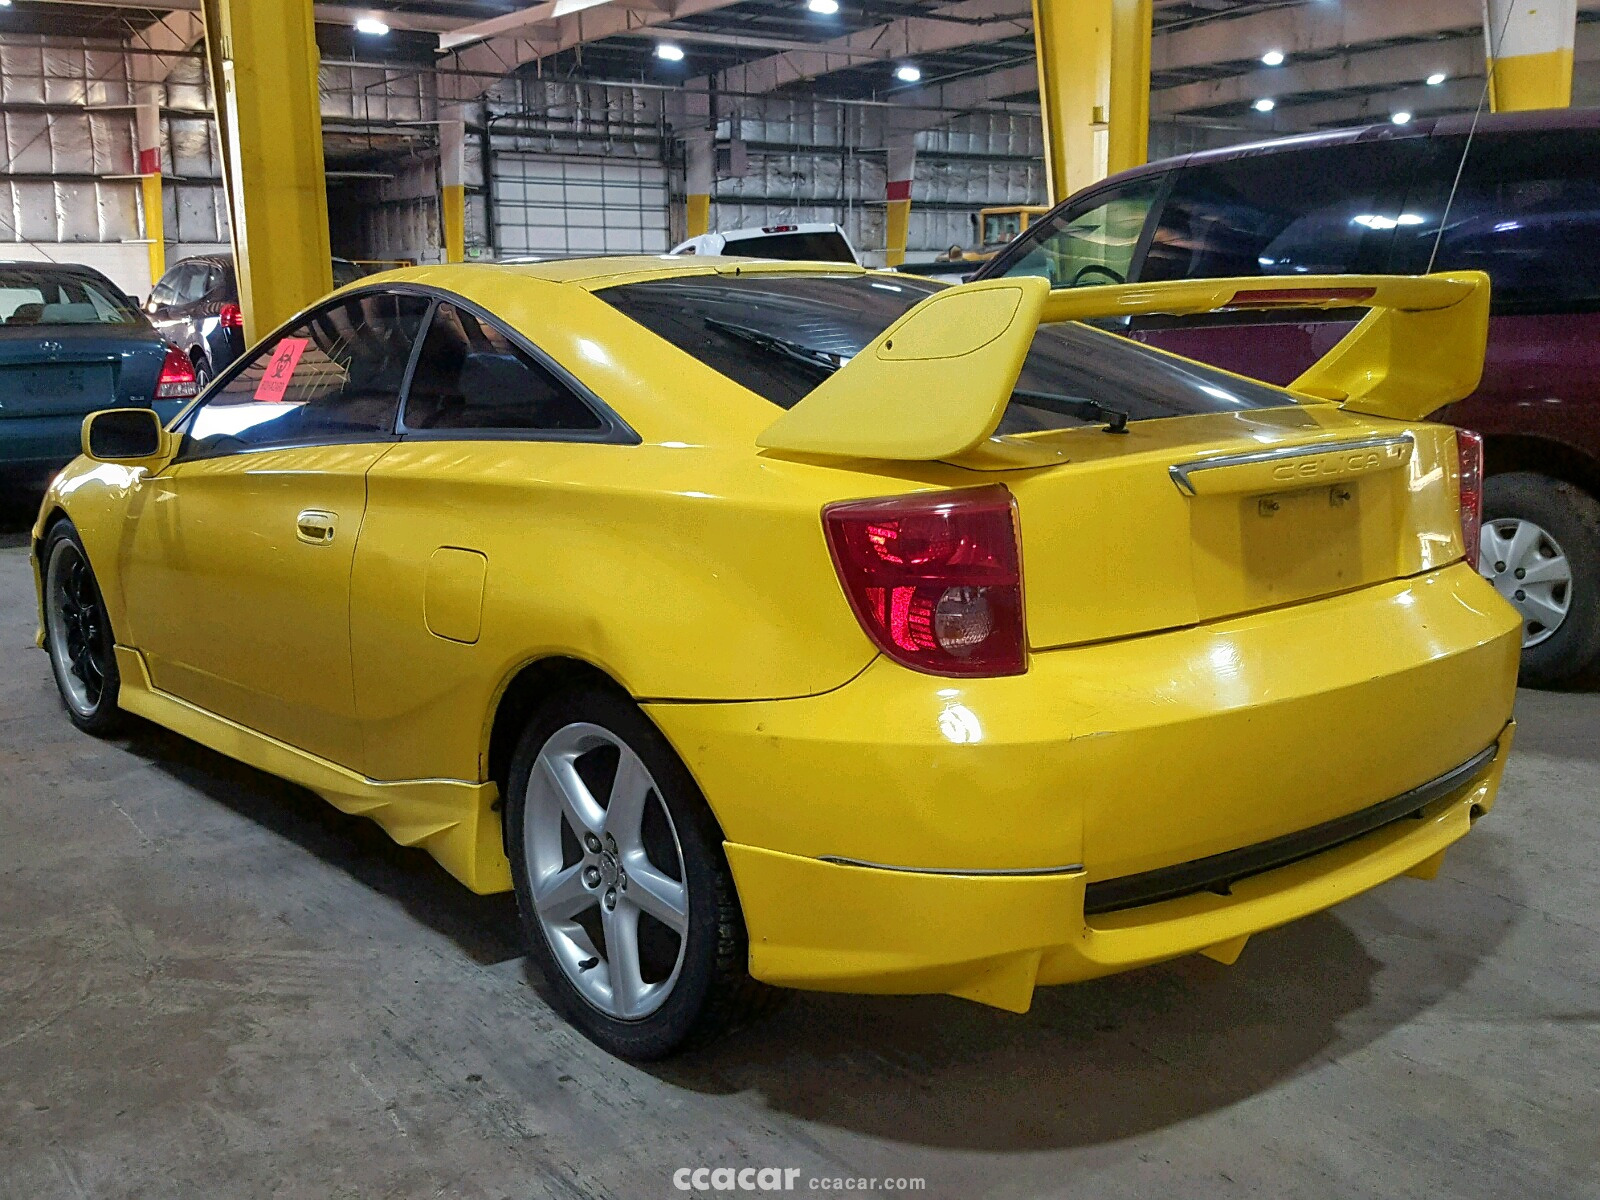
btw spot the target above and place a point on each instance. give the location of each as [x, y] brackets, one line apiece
[799, 625]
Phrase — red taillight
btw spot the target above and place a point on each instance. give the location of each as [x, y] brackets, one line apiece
[1469, 446]
[176, 381]
[230, 316]
[935, 580]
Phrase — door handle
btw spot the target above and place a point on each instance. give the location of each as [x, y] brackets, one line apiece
[315, 526]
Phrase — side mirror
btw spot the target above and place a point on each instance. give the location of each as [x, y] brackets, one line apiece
[132, 436]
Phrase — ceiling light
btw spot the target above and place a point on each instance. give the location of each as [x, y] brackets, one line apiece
[1401, 118]
[670, 51]
[908, 73]
[1273, 58]
[1265, 105]
[371, 25]
[1437, 78]
[825, 8]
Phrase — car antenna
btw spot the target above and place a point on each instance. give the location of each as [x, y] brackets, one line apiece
[1472, 131]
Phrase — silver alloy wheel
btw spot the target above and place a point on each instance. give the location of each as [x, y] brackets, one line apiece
[1529, 568]
[74, 634]
[613, 876]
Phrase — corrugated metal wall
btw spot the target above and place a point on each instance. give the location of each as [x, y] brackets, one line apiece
[573, 167]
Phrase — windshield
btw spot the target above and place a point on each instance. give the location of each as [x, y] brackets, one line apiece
[42, 296]
[794, 247]
[345, 271]
[782, 335]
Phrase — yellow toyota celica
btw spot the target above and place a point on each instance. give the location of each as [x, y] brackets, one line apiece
[775, 624]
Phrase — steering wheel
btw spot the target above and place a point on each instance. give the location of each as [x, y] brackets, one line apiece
[1097, 269]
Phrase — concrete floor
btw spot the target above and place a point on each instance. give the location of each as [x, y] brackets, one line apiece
[214, 985]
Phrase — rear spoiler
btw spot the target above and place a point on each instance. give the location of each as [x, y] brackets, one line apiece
[936, 383]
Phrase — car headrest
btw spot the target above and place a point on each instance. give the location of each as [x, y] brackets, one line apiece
[494, 379]
[25, 314]
[69, 314]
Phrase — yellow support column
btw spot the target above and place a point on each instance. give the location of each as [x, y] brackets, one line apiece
[1073, 42]
[1530, 53]
[147, 127]
[701, 169]
[452, 189]
[263, 55]
[902, 166]
[1128, 140]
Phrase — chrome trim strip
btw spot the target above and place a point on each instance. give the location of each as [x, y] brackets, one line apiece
[1180, 472]
[835, 860]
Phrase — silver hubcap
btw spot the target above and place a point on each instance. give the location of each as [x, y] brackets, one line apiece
[1528, 567]
[75, 632]
[606, 871]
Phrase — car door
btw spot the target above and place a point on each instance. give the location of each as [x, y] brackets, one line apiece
[1321, 210]
[478, 492]
[238, 569]
[1527, 211]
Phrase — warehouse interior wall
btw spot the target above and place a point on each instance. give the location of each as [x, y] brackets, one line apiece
[552, 167]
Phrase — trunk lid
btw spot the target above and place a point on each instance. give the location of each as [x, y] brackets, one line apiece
[63, 371]
[1222, 514]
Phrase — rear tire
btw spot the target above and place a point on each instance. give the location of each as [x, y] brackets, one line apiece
[628, 907]
[202, 372]
[77, 634]
[1541, 550]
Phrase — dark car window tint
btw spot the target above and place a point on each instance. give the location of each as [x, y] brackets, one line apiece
[51, 296]
[166, 292]
[192, 283]
[335, 377]
[1527, 212]
[793, 247]
[1327, 210]
[1090, 244]
[780, 336]
[471, 376]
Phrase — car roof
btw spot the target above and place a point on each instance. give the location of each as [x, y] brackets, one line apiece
[593, 274]
[1543, 120]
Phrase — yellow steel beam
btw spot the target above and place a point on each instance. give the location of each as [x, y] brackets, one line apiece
[263, 57]
[1530, 53]
[1073, 43]
[452, 188]
[1129, 135]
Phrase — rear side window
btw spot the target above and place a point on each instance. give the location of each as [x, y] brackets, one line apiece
[780, 336]
[470, 376]
[1328, 210]
[334, 377]
[1527, 212]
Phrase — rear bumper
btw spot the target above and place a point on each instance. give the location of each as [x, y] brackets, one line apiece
[992, 939]
[1102, 763]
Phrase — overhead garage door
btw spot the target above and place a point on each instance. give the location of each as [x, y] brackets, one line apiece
[546, 204]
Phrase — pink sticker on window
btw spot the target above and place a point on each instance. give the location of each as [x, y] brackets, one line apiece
[280, 369]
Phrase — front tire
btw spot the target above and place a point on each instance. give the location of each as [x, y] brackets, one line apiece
[77, 634]
[626, 898]
[1541, 549]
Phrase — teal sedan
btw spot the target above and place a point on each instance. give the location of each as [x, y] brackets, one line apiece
[70, 343]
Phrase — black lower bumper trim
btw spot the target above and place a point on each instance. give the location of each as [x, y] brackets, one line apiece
[1217, 872]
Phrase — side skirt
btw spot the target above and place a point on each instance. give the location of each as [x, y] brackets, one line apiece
[451, 819]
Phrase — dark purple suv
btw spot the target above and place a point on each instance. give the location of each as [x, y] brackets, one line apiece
[1527, 211]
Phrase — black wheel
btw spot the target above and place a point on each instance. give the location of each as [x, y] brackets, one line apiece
[626, 897]
[202, 372]
[77, 634]
[1541, 550]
